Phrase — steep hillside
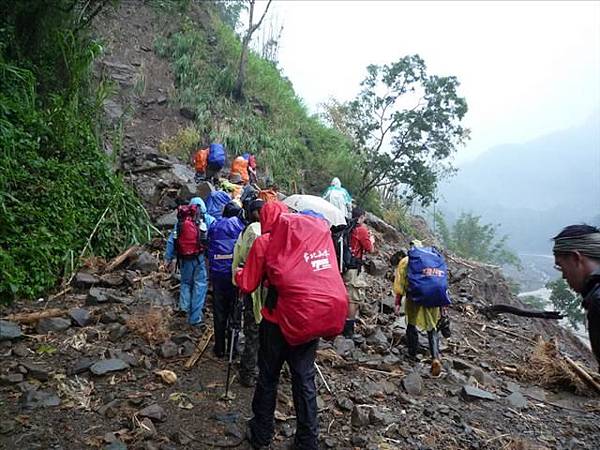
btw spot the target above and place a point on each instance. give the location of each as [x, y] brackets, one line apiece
[533, 189]
[83, 369]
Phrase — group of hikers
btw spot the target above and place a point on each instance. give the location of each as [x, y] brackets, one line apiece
[291, 277]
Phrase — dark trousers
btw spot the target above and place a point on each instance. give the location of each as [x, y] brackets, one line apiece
[224, 298]
[249, 358]
[272, 353]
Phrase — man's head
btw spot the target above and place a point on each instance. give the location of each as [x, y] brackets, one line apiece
[231, 209]
[253, 209]
[359, 214]
[577, 254]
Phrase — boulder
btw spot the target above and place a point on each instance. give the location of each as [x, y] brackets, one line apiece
[516, 400]
[167, 220]
[39, 399]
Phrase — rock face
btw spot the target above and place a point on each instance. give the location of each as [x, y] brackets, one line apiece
[145, 263]
[9, 330]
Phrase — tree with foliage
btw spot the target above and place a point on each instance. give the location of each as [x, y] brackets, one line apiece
[405, 124]
[230, 11]
[238, 91]
[471, 239]
[566, 301]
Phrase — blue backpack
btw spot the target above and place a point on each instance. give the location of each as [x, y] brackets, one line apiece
[215, 203]
[216, 156]
[427, 277]
[222, 236]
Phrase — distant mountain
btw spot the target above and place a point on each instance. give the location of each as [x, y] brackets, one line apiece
[532, 189]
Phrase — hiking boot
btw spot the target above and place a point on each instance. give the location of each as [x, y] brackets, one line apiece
[348, 329]
[436, 367]
[255, 445]
[247, 381]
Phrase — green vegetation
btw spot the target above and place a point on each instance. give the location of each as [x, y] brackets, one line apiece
[534, 301]
[270, 121]
[470, 239]
[566, 301]
[404, 124]
[56, 185]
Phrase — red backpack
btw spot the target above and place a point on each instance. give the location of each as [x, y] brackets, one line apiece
[301, 264]
[191, 231]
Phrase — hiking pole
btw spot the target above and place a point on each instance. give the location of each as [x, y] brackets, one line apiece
[234, 324]
[323, 378]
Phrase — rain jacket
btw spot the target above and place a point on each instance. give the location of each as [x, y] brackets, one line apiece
[420, 316]
[250, 277]
[170, 252]
[338, 196]
[240, 255]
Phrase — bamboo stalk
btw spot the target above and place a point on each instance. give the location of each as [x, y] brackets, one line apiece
[200, 349]
[35, 316]
[583, 374]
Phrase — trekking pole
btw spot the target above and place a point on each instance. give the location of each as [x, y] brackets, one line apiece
[234, 324]
[323, 378]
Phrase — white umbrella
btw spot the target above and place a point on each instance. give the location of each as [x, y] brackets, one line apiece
[300, 202]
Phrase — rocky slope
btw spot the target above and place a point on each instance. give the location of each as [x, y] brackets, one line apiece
[86, 376]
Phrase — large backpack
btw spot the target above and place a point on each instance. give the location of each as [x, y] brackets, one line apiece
[427, 277]
[216, 156]
[222, 237]
[191, 231]
[215, 203]
[300, 264]
[341, 237]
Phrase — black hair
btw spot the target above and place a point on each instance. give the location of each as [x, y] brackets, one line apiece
[357, 212]
[576, 230]
[397, 257]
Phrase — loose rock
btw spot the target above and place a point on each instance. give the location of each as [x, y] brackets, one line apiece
[470, 393]
[108, 365]
[413, 383]
[154, 412]
[80, 317]
[9, 330]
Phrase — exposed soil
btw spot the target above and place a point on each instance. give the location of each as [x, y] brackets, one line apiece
[379, 399]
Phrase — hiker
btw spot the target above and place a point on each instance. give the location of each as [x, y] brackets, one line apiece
[577, 256]
[200, 161]
[252, 302]
[338, 197]
[360, 241]
[252, 169]
[215, 161]
[240, 166]
[422, 266]
[306, 300]
[186, 246]
[222, 237]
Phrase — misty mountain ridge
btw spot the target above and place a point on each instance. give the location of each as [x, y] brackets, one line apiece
[532, 189]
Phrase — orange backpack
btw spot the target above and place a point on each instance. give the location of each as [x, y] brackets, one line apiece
[240, 165]
[201, 160]
[268, 195]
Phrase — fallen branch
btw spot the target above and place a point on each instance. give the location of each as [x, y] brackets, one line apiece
[583, 374]
[35, 316]
[512, 333]
[494, 310]
[200, 349]
[118, 260]
[383, 372]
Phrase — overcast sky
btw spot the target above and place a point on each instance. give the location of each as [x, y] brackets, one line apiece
[526, 68]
